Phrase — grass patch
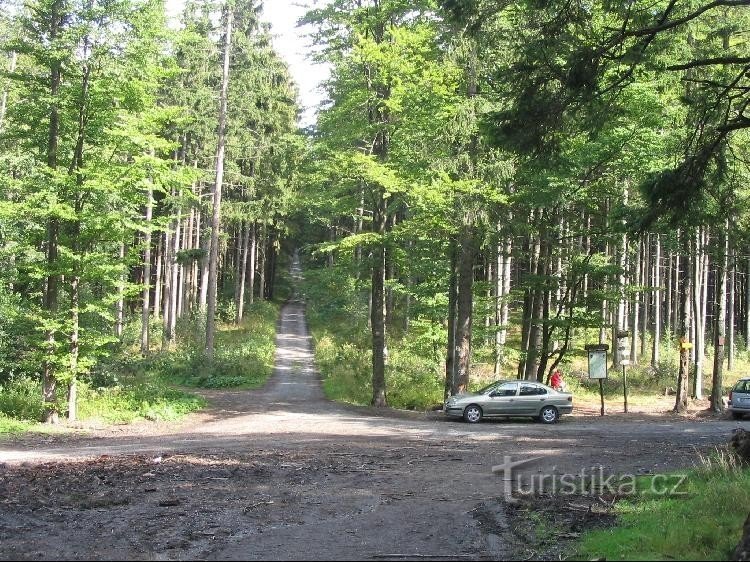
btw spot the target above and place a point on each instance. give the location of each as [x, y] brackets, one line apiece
[143, 400]
[127, 387]
[133, 397]
[705, 523]
[243, 356]
[12, 425]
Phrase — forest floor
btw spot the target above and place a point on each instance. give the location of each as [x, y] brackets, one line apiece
[283, 473]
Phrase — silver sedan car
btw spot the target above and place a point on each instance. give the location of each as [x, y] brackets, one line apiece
[510, 399]
[739, 399]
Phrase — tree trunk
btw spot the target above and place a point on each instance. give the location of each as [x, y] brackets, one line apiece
[697, 314]
[243, 272]
[621, 320]
[167, 306]
[450, 357]
[676, 286]
[253, 260]
[681, 401]
[464, 305]
[655, 345]
[380, 218]
[262, 244]
[645, 295]
[536, 325]
[730, 309]
[146, 292]
[720, 321]
[50, 300]
[120, 306]
[668, 297]
[174, 294]
[213, 261]
[604, 305]
[159, 277]
[634, 324]
[4, 97]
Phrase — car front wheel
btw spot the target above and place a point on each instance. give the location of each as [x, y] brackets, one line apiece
[549, 414]
[473, 414]
[737, 415]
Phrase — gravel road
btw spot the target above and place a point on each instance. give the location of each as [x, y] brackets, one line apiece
[283, 473]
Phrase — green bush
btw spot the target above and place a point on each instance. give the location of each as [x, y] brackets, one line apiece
[21, 398]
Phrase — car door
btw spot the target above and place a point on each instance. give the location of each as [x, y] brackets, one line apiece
[501, 400]
[531, 398]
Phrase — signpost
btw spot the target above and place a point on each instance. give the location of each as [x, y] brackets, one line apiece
[598, 364]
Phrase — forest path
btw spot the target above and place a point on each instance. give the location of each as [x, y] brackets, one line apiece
[283, 473]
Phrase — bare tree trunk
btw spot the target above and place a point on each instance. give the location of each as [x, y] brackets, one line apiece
[676, 287]
[720, 319]
[262, 245]
[655, 346]
[167, 305]
[507, 273]
[464, 305]
[536, 326]
[380, 218]
[621, 319]
[175, 292]
[4, 97]
[243, 272]
[604, 307]
[146, 291]
[253, 261]
[50, 296]
[681, 401]
[213, 261]
[186, 267]
[450, 357]
[635, 325]
[501, 270]
[120, 305]
[697, 313]
[159, 277]
[195, 263]
[668, 297]
[645, 295]
[730, 308]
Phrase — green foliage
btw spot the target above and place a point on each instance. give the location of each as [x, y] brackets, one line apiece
[337, 313]
[703, 524]
[20, 399]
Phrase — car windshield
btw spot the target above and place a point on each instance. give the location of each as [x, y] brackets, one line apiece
[488, 387]
[742, 386]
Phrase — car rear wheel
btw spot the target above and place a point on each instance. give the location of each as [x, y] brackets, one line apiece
[473, 414]
[549, 414]
[737, 415]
